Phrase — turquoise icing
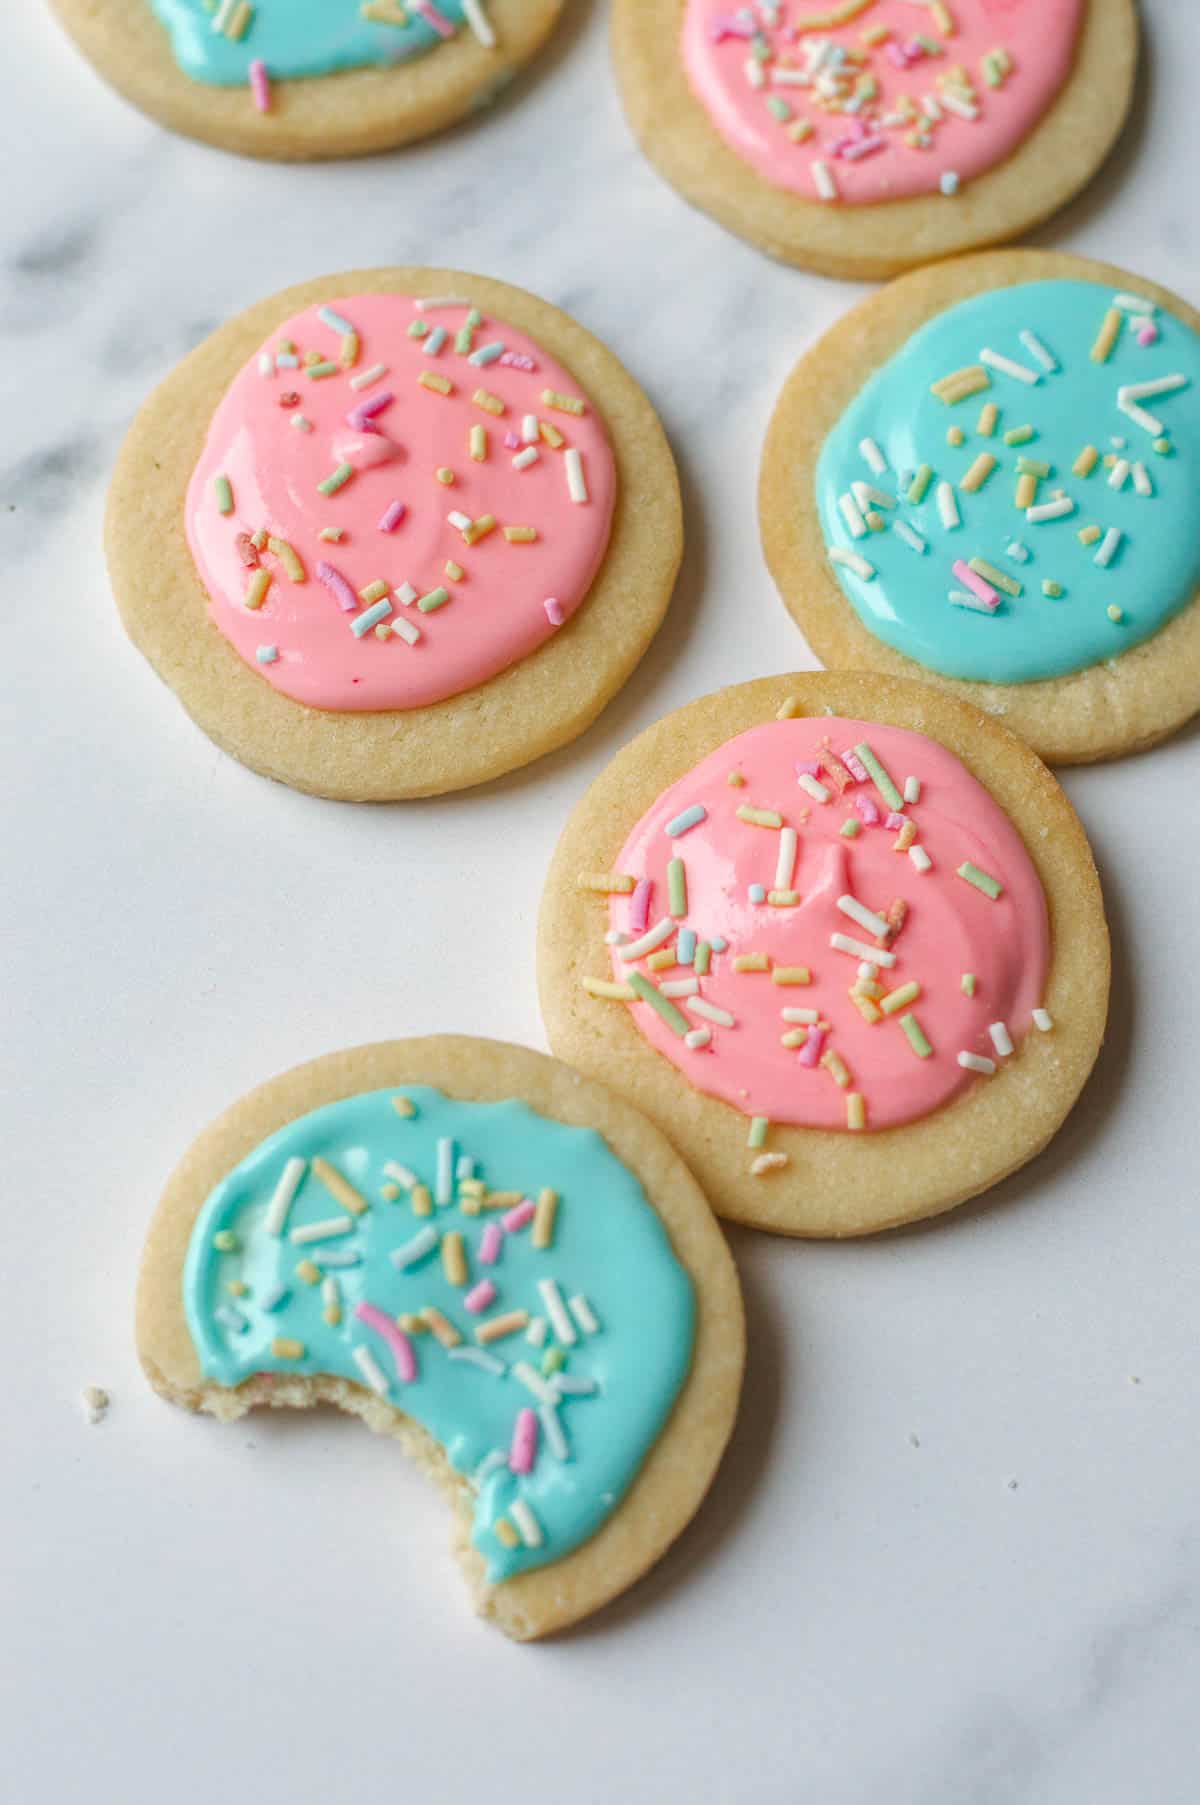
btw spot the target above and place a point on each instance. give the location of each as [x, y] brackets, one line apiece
[294, 38]
[608, 1245]
[1156, 569]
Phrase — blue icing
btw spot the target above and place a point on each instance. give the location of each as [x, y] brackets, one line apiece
[1156, 567]
[294, 38]
[608, 1244]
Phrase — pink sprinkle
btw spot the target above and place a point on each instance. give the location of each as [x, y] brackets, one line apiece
[360, 417]
[426, 10]
[639, 906]
[479, 1297]
[1148, 334]
[397, 1340]
[728, 25]
[511, 441]
[807, 767]
[517, 360]
[975, 583]
[855, 766]
[392, 517]
[338, 587]
[895, 819]
[490, 1243]
[260, 86]
[518, 1216]
[524, 1441]
[554, 611]
[866, 810]
[866, 147]
[895, 54]
[810, 1052]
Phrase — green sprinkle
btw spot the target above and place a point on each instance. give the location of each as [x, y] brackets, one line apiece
[916, 1035]
[435, 598]
[879, 776]
[322, 369]
[930, 46]
[464, 338]
[336, 479]
[225, 1241]
[677, 887]
[1000, 578]
[969, 982]
[419, 329]
[651, 994]
[757, 1136]
[1051, 588]
[224, 494]
[850, 828]
[553, 1360]
[474, 318]
[1019, 435]
[919, 483]
[982, 880]
[702, 959]
[778, 108]
[1033, 467]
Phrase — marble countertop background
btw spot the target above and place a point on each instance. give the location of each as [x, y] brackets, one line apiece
[952, 1556]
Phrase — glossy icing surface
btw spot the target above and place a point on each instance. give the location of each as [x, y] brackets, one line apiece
[889, 100]
[1118, 536]
[949, 927]
[300, 37]
[608, 1387]
[421, 464]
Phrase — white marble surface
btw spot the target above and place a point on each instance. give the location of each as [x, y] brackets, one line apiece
[952, 1557]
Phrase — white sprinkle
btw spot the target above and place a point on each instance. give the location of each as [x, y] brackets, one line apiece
[556, 1441]
[371, 1370]
[962, 598]
[868, 969]
[322, 1231]
[302, 423]
[1106, 551]
[331, 1294]
[365, 378]
[529, 429]
[1037, 349]
[1051, 510]
[841, 554]
[407, 630]
[1006, 366]
[576, 485]
[680, 987]
[954, 103]
[583, 1313]
[948, 181]
[1159, 385]
[912, 789]
[1148, 422]
[282, 1196]
[475, 1356]
[920, 858]
[231, 1319]
[460, 522]
[527, 1524]
[272, 1299]
[426, 303]
[535, 1334]
[265, 366]
[1019, 553]
[807, 1016]
[812, 786]
[823, 180]
[1119, 474]
[1001, 1039]
[975, 1062]
[575, 1387]
[909, 535]
[404, 1175]
[1134, 304]
[556, 1310]
[648, 941]
[491, 1463]
[406, 595]
[444, 1183]
[852, 515]
[423, 1242]
[842, 943]
[867, 496]
[785, 864]
[873, 457]
[866, 918]
[523, 459]
[710, 1012]
[697, 1037]
[479, 22]
[754, 72]
[1141, 479]
[947, 503]
[1041, 1019]
[533, 1381]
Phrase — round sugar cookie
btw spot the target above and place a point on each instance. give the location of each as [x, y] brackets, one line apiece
[474, 1249]
[396, 532]
[306, 79]
[983, 477]
[841, 936]
[860, 138]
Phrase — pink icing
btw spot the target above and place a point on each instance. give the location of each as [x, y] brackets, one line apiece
[866, 150]
[497, 611]
[951, 928]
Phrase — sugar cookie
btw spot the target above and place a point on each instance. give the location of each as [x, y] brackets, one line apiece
[475, 1250]
[395, 532]
[308, 78]
[983, 477]
[863, 137]
[842, 938]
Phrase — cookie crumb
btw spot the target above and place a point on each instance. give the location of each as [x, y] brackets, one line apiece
[95, 1403]
[914, 1441]
[1012, 1484]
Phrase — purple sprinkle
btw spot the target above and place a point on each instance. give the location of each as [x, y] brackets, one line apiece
[362, 417]
[807, 767]
[894, 818]
[393, 515]
[511, 441]
[639, 906]
[516, 360]
[554, 611]
[866, 810]
[338, 587]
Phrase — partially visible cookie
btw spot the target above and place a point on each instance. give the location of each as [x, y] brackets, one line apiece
[297, 79]
[841, 937]
[860, 138]
[395, 532]
[984, 476]
[496, 1261]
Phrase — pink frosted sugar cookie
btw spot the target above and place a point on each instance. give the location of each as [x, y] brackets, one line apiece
[389, 511]
[861, 137]
[830, 962]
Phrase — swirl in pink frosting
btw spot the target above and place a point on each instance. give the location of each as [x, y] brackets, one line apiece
[889, 118]
[950, 927]
[279, 432]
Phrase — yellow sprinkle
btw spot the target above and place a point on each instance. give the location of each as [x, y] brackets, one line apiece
[989, 413]
[876, 34]
[900, 999]
[412, 1325]
[660, 960]
[833, 15]
[791, 974]
[959, 384]
[505, 1533]
[496, 1327]
[349, 350]
[795, 1037]
[389, 1192]
[288, 558]
[954, 435]
[422, 1202]
[1026, 491]
[454, 1258]
[332, 1314]
[472, 1187]
[735, 780]
[866, 1008]
[870, 988]
[1106, 338]
[543, 1218]
[905, 837]
[308, 1273]
[752, 962]
[236, 28]
[503, 1200]
[404, 1106]
[338, 1187]
[1086, 462]
[520, 535]
[443, 1329]
[284, 1348]
[798, 130]
[783, 899]
[609, 882]
[1115, 613]
[238, 1288]
[856, 1113]
[479, 529]
[373, 591]
[491, 404]
[563, 404]
[943, 18]
[444, 474]
[469, 1203]
[551, 434]
[454, 571]
[1088, 535]
[256, 592]
[835, 1065]
[760, 817]
[605, 987]
[477, 440]
[441, 385]
[978, 474]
